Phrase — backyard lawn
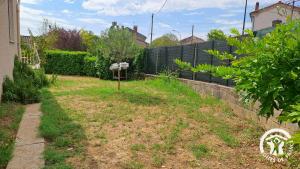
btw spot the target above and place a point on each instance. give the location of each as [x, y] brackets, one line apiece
[148, 124]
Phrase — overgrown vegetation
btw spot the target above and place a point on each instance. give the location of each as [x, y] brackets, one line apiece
[10, 117]
[268, 72]
[25, 86]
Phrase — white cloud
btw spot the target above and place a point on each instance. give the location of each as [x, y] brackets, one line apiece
[66, 11]
[32, 19]
[69, 1]
[164, 25]
[31, 1]
[132, 7]
[95, 21]
[194, 13]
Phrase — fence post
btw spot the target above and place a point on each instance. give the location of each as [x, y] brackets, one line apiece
[228, 63]
[195, 59]
[211, 59]
[156, 61]
[181, 58]
[145, 67]
[166, 58]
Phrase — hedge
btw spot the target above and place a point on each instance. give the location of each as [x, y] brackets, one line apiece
[89, 67]
[70, 63]
[83, 64]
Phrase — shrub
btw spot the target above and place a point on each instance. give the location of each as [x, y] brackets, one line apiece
[25, 86]
[65, 62]
[134, 71]
[102, 66]
[89, 67]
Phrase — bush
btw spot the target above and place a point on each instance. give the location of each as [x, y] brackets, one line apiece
[102, 67]
[89, 67]
[136, 66]
[25, 86]
[65, 62]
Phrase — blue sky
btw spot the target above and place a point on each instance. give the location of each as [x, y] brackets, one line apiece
[179, 15]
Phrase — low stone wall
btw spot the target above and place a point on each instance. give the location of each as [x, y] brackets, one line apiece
[229, 96]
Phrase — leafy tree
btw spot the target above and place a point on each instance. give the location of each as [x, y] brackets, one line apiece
[118, 45]
[216, 34]
[68, 39]
[165, 40]
[268, 72]
[90, 41]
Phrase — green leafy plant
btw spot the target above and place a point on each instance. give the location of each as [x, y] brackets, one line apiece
[268, 72]
[25, 86]
[118, 45]
[216, 34]
[65, 62]
[89, 67]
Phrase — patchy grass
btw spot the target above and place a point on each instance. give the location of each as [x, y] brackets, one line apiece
[88, 123]
[10, 117]
[64, 136]
[199, 151]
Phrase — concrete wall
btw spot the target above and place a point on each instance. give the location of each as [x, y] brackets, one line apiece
[262, 20]
[8, 49]
[229, 96]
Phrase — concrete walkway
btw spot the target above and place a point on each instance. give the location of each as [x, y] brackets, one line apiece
[29, 147]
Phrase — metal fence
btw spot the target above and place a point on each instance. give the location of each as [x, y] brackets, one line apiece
[160, 59]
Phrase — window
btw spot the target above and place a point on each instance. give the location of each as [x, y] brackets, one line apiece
[276, 22]
[11, 21]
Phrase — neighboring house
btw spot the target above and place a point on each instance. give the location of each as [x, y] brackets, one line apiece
[191, 40]
[267, 17]
[139, 38]
[9, 37]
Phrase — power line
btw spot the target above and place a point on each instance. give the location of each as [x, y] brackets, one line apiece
[162, 6]
[152, 20]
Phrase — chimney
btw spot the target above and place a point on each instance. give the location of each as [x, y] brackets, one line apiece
[257, 6]
[135, 28]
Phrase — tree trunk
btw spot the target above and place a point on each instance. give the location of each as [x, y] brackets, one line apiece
[119, 78]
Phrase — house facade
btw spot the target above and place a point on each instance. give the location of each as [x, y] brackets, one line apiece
[139, 38]
[10, 37]
[191, 40]
[269, 16]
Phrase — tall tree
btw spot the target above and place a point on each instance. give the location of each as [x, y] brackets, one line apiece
[166, 40]
[216, 34]
[89, 40]
[118, 45]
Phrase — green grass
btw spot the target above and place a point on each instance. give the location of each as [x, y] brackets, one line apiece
[158, 160]
[199, 151]
[10, 117]
[138, 147]
[133, 165]
[162, 115]
[60, 132]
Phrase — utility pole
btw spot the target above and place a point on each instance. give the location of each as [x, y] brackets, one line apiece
[244, 22]
[192, 34]
[293, 10]
[151, 28]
